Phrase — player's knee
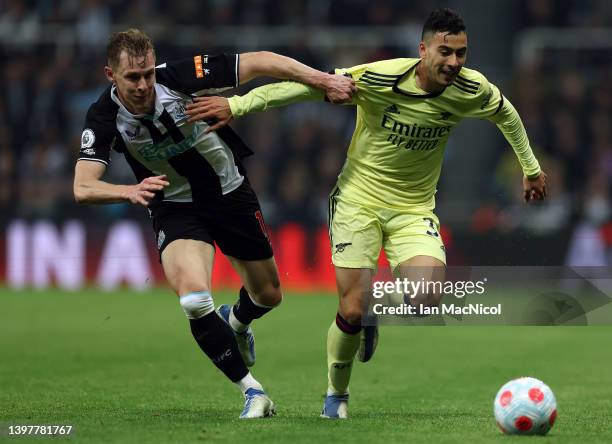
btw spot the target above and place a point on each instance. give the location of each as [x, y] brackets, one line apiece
[275, 297]
[270, 295]
[197, 304]
[351, 314]
[185, 283]
[350, 305]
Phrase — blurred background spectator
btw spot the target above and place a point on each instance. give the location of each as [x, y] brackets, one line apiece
[551, 58]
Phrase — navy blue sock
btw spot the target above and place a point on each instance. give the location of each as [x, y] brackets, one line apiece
[216, 339]
[245, 310]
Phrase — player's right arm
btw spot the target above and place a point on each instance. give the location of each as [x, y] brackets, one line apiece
[98, 136]
[274, 95]
[89, 188]
[265, 97]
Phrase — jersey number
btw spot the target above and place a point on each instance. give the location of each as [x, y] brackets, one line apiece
[433, 232]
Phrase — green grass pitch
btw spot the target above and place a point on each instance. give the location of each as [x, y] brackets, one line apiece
[122, 367]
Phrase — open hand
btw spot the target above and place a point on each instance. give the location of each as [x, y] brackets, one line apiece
[143, 192]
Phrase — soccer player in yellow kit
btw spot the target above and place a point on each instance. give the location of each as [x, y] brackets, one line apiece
[385, 194]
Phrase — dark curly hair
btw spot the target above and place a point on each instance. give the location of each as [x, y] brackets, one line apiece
[443, 20]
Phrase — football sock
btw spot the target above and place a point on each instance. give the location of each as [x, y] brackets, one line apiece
[245, 310]
[235, 323]
[216, 339]
[342, 345]
[213, 335]
[248, 382]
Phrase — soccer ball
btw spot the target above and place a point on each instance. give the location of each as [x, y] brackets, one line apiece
[525, 406]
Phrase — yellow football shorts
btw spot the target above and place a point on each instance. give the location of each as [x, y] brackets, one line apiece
[357, 232]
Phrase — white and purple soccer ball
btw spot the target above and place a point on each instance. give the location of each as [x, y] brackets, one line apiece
[525, 406]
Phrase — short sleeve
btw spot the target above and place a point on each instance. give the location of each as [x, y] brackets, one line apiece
[201, 74]
[97, 138]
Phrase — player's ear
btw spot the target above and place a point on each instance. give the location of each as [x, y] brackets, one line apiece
[108, 72]
[422, 50]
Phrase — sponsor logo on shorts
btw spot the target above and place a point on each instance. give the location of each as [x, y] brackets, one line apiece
[161, 237]
[340, 247]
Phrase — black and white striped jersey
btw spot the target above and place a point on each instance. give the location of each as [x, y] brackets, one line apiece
[199, 166]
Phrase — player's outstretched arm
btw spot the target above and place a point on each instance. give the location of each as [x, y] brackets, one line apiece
[338, 89]
[88, 188]
[509, 123]
[259, 99]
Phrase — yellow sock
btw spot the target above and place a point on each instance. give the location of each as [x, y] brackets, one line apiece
[341, 350]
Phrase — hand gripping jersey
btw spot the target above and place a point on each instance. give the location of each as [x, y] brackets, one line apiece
[199, 166]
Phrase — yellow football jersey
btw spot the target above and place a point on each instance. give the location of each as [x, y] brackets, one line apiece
[396, 152]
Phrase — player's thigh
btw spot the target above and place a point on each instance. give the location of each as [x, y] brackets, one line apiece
[416, 252]
[354, 232]
[408, 235]
[354, 284]
[427, 270]
[421, 267]
[238, 227]
[240, 232]
[260, 278]
[185, 246]
[188, 264]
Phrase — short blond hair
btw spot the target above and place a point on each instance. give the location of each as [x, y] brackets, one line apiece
[133, 41]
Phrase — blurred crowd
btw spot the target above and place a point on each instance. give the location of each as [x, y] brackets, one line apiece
[566, 106]
[565, 100]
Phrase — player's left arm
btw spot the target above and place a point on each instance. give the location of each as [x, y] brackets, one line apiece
[510, 124]
[489, 103]
[211, 74]
[273, 95]
[305, 84]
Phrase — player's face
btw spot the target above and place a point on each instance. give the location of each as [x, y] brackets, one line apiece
[135, 81]
[443, 55]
